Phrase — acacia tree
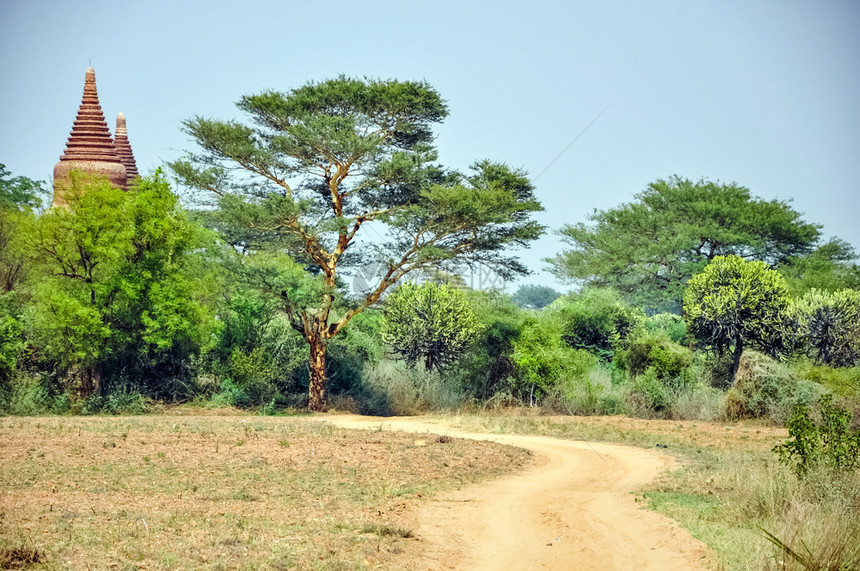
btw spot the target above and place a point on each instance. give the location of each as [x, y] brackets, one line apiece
[649, 248]
[734, 304]
[318, 165]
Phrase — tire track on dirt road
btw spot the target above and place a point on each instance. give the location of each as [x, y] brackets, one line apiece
[572, 509]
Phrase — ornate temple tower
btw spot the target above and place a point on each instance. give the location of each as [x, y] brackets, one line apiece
[123, 149]
[90, 148]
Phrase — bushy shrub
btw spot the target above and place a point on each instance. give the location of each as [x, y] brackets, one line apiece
[29, 396]
[830, 441]
[352, 350]
[648, 396]
[543, 361]
[670, 362]
[671, 324]
[254, 375]
[487, 367]
[597, 321]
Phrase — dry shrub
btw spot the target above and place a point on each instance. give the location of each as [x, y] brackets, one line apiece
[18, 557]
[393, 388]
[764, 388]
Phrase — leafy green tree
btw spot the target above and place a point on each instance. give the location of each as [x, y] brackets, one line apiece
[20, 193]
[20, 197]
[487, 368]
[735, 304]
[11, 350]
[530, 296]
[296, 188]
[431, 323]
[827, 325]
[114, 295]
[829, 267]
[542, 359]
[649, 248]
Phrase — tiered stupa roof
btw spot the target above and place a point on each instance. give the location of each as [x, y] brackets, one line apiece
[123, 148]
[90, 148]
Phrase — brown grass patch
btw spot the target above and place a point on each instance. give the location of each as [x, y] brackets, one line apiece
[222, 492]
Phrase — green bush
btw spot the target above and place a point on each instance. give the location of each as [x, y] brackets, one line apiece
[543, 361]
[30, 396]
[648, 396]
[229, 394]
[487, 367]
[11, 349]
[254, 375]
[830, 441]
[351, 351]
[597, 320]
[671, 324]
[671, 362]
[843, 381]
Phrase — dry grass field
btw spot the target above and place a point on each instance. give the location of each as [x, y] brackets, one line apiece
[179, 492]
[184, 491]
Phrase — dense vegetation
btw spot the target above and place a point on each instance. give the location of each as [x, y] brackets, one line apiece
[697, 299]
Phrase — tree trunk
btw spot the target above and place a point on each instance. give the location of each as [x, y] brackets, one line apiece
[316, 387]
[736, 359]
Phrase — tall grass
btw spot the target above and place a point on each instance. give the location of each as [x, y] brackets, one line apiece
[757, 514]
[394, 388]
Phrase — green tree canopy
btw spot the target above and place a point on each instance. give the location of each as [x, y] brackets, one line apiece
[115, 294]
[827, 325]
[20, 192]
[530, 296]
[597, 320]
[734, 304]
[20, 197]
[431, 323]
[296, 187]
[649, 248]
[830, 267]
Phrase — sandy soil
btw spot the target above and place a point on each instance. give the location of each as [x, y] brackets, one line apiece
[572, 509]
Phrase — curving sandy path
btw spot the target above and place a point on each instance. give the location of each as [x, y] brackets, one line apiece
[570, 510]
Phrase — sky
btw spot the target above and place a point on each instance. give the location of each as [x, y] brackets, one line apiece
[765, 94]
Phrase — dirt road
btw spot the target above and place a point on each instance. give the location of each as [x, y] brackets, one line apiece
[572, 509]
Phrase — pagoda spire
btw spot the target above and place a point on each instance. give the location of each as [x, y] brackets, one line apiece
[90, 148]
[123, 149]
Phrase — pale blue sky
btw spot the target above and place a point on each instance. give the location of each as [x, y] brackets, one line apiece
[765, 94]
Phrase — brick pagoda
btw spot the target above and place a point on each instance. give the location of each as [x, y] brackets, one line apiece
[123, 149]
[90, 148]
